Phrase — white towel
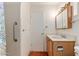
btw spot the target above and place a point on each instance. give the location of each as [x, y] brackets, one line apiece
[76, 48]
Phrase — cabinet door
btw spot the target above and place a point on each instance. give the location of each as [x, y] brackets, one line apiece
[68, 48]
[65, 20]
[59, 21]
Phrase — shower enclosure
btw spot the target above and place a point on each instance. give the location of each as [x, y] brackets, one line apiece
[2, 31]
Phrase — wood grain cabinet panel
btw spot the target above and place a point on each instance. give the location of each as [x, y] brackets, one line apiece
[49, 47]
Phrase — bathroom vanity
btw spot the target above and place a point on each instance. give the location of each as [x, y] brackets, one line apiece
[58, 46]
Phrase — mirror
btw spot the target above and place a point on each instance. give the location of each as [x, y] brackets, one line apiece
[64, 18]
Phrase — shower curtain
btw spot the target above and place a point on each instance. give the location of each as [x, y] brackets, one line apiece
[2, 31]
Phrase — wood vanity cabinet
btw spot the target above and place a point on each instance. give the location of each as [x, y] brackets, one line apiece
[64, 18]
[52, 48]
[49, 47]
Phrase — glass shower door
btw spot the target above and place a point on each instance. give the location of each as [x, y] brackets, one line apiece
[2, 31]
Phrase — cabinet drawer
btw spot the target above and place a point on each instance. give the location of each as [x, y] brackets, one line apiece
[63, 48]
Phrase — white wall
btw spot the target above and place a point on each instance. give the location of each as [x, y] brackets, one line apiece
[25, 25]
[50, 12]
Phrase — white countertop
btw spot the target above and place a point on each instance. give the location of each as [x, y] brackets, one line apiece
[58, 38]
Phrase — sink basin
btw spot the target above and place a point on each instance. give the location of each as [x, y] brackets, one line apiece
[59, 38]
[56, 36]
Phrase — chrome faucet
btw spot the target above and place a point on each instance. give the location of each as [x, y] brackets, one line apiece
[63, 36]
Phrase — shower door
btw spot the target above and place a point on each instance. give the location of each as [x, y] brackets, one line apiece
[2, 31]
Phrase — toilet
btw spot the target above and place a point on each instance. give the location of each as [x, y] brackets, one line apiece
[76, 50]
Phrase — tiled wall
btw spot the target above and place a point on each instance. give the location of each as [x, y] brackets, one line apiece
[2, 31]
